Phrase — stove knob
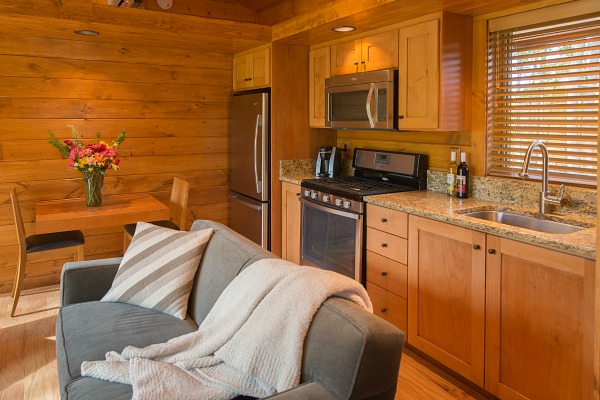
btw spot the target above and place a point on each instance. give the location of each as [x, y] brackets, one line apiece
[314, 195]
[338, 202]
[306, 193]
[347, 204]
[326, 198]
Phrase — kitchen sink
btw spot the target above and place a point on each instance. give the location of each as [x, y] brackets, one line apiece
[524, 221]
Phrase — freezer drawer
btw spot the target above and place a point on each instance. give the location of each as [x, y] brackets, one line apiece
[250, 218]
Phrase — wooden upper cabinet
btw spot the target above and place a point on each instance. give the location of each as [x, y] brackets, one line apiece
[539, 323]
[319, 69]
[252, 69]
[365, 54]
[446, 295]
[434, 74]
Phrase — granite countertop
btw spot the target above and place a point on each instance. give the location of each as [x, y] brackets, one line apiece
[440, 207]
[521, 198]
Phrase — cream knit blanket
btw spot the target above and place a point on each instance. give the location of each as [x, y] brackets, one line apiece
[249, 344]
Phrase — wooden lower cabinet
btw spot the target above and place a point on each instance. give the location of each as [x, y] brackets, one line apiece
[446, 295]
[539, 323]
[514, 318]
[388, 306]
[290, 222]
[386, 270]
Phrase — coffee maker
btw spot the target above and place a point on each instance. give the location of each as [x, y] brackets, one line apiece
[329, 162]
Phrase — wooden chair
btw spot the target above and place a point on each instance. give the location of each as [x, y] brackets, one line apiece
[178, 209]
[51, 244]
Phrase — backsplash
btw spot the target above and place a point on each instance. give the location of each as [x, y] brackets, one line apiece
[581, 202]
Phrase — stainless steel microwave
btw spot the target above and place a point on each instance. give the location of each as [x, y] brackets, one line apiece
[365, 100]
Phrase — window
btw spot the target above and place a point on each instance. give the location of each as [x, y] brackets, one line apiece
[543, 85]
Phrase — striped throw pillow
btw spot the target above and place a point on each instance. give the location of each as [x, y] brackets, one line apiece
[158, 268]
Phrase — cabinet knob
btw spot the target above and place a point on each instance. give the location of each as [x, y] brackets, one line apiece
[384, 220]
[383, 309]
[297, 194]
[476, 246]
[492, 251]
[384, 273]
[383, 244]
[400, 116]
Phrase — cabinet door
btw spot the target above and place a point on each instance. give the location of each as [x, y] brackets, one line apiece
[319, 69]
[446, 294]
[241, 72]
[261, 68]
[345, 57]
[539, 323]
[379, 51]
[419, 76]
[290, 222]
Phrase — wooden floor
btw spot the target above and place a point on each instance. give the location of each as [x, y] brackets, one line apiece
[28, 360]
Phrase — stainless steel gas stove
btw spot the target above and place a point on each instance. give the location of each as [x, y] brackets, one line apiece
[333, 209]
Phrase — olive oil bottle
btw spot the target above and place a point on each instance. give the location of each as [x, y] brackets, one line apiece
[451, 179]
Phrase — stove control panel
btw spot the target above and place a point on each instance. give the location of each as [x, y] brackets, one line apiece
[333, 201]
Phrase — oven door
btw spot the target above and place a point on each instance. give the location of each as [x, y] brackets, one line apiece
[332, 239]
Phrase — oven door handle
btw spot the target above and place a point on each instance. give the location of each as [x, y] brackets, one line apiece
[331, 210]
[369, 105]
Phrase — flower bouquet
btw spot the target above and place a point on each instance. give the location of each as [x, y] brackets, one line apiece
[92, 160]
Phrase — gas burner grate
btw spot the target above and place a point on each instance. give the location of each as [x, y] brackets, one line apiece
[352, 186]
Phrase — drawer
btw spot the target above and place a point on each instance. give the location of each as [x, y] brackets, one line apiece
[388, 306]
[387, 245]
[387, 220]
[387, 273]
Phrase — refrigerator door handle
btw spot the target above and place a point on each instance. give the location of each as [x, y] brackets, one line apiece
[258, 183]
[244, 203]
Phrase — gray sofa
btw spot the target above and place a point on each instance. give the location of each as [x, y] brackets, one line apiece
[348, 352]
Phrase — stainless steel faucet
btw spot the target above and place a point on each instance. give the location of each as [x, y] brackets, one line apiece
[545, 196]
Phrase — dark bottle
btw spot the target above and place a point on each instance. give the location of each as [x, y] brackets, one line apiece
[462, 178]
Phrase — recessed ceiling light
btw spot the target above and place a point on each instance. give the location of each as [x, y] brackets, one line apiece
[86, 32]
[343, 28]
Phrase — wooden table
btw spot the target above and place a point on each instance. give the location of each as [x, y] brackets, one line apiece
[72, 214]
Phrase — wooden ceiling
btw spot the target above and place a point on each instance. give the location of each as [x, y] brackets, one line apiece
[309, 22]
[264, 12]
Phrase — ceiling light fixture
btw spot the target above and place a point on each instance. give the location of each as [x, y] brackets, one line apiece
[343, 28]
[86, 32]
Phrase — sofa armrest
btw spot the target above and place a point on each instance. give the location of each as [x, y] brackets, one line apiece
[87, 280]
[306, 391]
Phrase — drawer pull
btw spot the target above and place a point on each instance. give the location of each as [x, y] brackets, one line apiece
[384, 273]
[384, 220]
[383, 309]
[476, 246]
[492, 251]
[383, 244]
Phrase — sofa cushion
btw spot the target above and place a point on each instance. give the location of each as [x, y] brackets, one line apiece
[96, 389]
[87, 331]
[158, 269]
[225, 256]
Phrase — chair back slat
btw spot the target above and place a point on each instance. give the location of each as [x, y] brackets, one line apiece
[18, 219]
[179, 202]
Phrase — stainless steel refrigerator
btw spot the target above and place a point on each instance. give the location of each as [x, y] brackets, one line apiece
[250, 195]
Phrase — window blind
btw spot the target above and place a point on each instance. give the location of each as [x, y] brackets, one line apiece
[543, 85]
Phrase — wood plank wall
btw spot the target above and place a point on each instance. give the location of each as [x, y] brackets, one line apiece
[436, 145]
[172, 98]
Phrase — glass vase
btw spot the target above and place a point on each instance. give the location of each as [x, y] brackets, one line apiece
[92, 183]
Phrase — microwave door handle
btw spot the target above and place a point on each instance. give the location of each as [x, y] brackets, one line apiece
[368, 105]
[255, 153]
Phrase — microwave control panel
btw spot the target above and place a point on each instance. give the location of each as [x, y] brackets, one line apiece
[381, 104]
